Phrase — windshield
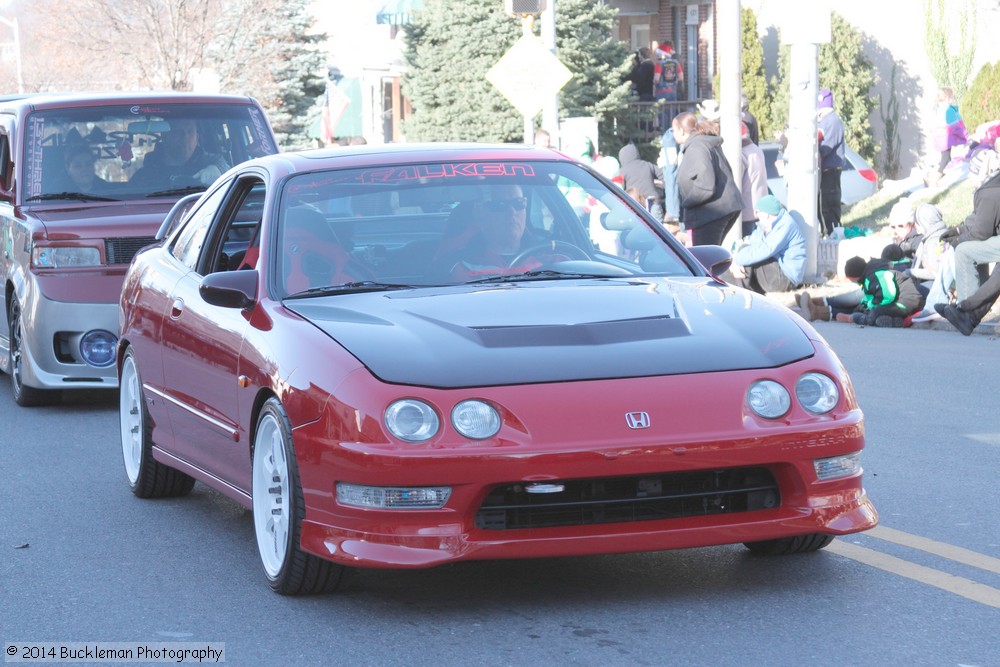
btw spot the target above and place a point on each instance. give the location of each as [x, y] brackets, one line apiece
[134, 152]
[461, 223]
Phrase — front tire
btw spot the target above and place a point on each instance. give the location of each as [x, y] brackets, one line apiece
[26, 397]
[278, 508]
[147, 477]
[799, 544]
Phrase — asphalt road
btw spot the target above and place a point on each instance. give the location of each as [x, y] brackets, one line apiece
[83, 560]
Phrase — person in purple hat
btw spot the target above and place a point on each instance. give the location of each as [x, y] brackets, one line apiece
[831, 161]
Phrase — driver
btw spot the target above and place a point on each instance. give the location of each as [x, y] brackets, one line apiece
[179, 160]
[499, 244]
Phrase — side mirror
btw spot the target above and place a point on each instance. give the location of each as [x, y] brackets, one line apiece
[715, 258]
[177, 215]
[230, 289]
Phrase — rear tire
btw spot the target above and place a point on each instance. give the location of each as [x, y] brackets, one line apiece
[278, 508]
[799, 544]
[147, 477]
[26, 397]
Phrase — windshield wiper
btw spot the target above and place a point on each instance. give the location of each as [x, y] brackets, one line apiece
[348, 288]
[541, 274]
[78, 196]
[176, 192]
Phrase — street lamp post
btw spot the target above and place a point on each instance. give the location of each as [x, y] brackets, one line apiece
[12, 23]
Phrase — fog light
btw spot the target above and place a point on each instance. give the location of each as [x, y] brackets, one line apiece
[393, 497]
[97, 348]
[838, 466]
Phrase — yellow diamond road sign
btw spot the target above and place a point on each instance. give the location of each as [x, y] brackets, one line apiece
[528, 75]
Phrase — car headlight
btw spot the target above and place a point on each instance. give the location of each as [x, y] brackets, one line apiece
[475, 419]
[768, 399]
[412, 420]
[59, 257]
[817, 393]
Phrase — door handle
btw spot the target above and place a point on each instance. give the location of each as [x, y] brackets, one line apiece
[176, 308]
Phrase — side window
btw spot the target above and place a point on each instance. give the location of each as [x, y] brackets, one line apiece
[187, 247]
[237, 245]
[5, 163]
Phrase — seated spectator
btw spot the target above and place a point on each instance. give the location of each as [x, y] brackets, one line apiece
[179, 160]
[933, 262]
[774, 257]
[904, 235]
[968, 313]
[977, 239]
[888, 296]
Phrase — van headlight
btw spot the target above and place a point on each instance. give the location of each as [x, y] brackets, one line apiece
[63, 257]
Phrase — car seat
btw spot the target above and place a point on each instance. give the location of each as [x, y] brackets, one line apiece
[312, 255]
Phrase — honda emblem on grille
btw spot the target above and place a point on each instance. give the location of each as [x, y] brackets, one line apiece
[637, 419]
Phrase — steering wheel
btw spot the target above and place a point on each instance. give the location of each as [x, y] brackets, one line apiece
[549, 248]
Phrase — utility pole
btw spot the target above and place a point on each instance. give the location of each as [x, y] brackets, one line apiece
[550, 112]
[805, 28]
[730, 85]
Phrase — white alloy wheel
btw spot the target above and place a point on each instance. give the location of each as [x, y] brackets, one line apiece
[130, 415]
[148, 477]
[271, 497]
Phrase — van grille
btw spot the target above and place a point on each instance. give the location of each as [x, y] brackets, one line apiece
[627, 499]
[121, 251]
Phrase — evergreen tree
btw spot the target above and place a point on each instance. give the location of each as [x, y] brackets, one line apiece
[452, 44]
[282, 64]
[844, 69]
[586, 44]
[754, 81]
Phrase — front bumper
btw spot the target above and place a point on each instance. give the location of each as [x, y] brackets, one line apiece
[51, 352]
[422, 538]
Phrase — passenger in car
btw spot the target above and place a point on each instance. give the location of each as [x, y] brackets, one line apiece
[179, 160]
[80, 175]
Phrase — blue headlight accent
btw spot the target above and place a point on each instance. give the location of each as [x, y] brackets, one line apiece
[97, 348]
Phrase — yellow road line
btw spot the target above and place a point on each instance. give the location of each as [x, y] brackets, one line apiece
[947, 582]
[957, 554]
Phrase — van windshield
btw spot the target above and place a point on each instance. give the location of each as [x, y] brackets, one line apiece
[132, 152]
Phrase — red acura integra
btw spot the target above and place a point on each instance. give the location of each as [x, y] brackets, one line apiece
[404, 356]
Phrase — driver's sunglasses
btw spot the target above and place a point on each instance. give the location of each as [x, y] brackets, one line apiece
[501, 205]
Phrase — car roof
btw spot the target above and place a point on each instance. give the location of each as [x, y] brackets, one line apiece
[39, 101]
[398, 154]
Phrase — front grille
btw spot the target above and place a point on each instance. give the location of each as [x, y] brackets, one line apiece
[626, 499]
[121, 251]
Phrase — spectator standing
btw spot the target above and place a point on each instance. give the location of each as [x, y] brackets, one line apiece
[543, 139]
[774, 257]
[710, 201]
[831, 161]
[754, 181]
[641, 175]
[753, 127]
[949, 130]
[667, 77]
[670, 157]
[642, 75]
